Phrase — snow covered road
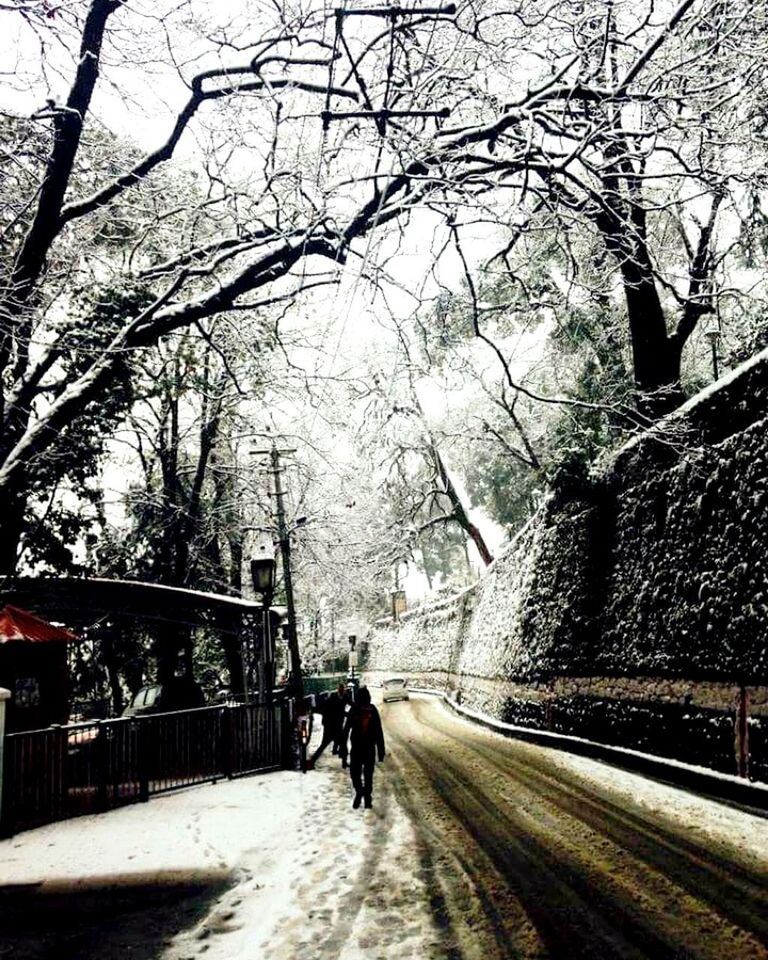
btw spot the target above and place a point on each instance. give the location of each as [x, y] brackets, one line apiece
[541, 854]
[477, 847]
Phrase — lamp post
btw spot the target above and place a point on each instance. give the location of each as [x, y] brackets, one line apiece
[263, 579]
[713, 334]
[353, 662]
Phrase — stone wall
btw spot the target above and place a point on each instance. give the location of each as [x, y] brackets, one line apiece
[634, 607]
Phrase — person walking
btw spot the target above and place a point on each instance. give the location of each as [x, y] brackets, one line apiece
[366, 736]
[331, 710]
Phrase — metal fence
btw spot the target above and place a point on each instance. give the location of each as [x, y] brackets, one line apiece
[323, 683]
[83, 768]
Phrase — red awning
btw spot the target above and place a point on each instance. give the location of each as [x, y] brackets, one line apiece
[16, 624]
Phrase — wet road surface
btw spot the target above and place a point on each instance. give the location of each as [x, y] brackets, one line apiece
[529, 860]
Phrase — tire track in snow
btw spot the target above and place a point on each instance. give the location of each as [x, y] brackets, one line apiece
[592, 881]
[732, 890]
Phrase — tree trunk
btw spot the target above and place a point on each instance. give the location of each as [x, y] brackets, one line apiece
[656, 356]
[107, 637]
[11, 529]
[459, 512]
[46, 224]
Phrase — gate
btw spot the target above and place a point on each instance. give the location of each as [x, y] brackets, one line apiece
[84, 768]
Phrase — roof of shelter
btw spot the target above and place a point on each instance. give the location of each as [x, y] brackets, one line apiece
[17, 624]
[80, 602]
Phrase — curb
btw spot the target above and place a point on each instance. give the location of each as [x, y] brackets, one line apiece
[718, 786]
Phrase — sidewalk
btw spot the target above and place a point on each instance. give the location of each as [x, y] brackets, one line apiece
[276, 866]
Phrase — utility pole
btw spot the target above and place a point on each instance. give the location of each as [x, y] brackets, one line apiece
[284, 541]
[285, 553]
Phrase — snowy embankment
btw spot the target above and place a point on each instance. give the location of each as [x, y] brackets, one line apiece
[633, 609]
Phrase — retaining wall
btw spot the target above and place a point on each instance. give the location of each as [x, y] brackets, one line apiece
[633, 609]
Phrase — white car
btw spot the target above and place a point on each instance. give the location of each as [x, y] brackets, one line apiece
[395, 688]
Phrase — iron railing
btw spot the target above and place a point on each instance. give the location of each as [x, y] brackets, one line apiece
[88, 767]
[324, 683]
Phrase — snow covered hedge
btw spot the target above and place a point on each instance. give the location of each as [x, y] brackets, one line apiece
[687, 591]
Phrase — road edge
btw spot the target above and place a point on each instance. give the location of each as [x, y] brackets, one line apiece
[699, 780]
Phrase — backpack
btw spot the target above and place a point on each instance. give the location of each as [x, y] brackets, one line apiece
[364, 722]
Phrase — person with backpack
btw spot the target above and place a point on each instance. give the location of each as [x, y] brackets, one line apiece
[366, 738]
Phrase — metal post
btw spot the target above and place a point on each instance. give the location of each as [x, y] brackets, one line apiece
[101, 753]
[226, 738]
[4, 696]
[715, 368]
[142, 757]
[244, 670]
[268, 657]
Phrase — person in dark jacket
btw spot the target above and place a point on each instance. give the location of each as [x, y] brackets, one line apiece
[332, 710]
[363, 728]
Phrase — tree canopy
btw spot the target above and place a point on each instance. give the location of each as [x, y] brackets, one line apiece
[537, 208]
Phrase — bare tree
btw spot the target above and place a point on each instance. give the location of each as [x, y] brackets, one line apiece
[608, 118]
[247, 244]
[629, 122]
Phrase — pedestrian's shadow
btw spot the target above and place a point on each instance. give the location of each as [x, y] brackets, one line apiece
[106, 917]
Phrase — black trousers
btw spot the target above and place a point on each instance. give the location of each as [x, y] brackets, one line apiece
[361, 766]
[331, 735]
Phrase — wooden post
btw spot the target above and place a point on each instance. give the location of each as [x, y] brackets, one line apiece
[742, 732]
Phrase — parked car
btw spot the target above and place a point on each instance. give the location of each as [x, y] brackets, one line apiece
[180, 693]
[395, 688]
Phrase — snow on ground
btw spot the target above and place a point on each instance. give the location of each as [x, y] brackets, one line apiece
[716, 823]
[305, 874]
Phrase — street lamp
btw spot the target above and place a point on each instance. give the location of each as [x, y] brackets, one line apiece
[263, 580]
[712, 333]
[353, 662]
